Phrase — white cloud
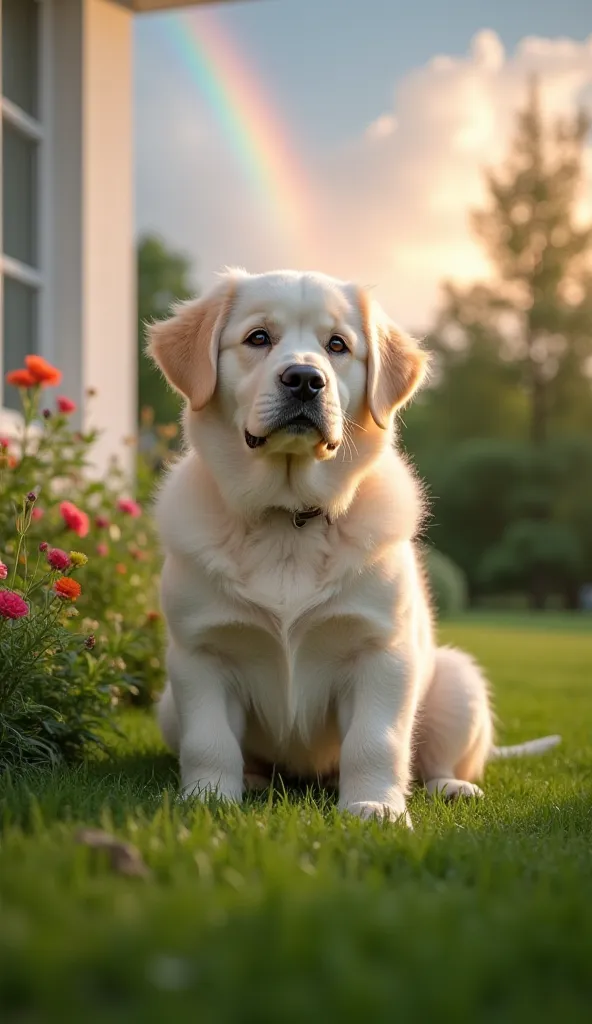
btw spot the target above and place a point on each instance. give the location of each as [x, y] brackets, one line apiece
[391, 206]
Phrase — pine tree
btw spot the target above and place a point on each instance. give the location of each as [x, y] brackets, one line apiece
[539, 305]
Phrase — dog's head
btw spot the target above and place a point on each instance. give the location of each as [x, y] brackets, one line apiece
[294, 361]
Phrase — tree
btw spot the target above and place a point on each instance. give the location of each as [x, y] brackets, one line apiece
[502, 436]
[538, 310]
[517, 516]
[163, 278]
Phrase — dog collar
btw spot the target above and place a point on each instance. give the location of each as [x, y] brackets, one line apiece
[302, 515]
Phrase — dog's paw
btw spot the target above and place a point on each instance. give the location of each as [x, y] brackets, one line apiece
[371, 809]
[453, 789]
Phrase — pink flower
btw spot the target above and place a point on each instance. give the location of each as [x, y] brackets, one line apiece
[37, 514]
[58, 559]
[12, 605]
[129, 507]
[74, 518]
[102, 550]
[101, 522]
[4, 442]
[43, 546]
[66, 405]
[3, 571]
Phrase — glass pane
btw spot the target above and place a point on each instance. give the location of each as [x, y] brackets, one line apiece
[20, 331]
[20, 47]
[19, 195]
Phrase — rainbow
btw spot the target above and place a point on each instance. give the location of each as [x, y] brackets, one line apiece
[252, 128]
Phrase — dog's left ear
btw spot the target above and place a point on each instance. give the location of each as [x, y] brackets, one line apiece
[396, 364]
[185, 347]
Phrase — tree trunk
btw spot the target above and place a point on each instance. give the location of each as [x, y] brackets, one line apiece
[538, 592]
[538, 409]
[571, 597]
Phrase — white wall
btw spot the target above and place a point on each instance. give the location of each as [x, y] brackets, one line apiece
[109, 300]
[91, 266]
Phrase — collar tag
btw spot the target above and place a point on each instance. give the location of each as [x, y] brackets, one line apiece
[302, 515]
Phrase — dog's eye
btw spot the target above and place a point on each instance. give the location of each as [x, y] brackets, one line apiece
[336, 345]
[258, 339]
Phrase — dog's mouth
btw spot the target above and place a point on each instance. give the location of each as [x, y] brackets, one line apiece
[299, 424]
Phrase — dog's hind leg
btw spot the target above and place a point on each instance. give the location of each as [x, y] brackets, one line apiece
[454, 734]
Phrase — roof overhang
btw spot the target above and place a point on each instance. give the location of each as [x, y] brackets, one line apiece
[144, 6]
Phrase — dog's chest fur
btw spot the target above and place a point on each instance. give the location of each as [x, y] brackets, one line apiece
[299, 628]
[282, 570]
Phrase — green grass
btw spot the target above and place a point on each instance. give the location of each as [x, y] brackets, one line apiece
[282, 911]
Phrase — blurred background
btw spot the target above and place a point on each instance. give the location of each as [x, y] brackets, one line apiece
[442, 156]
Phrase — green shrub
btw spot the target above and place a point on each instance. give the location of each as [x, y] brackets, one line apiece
[55, 693]
[447, 583]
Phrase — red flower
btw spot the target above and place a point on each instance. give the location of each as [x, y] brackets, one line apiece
[43, 546]
[74, 518]
[3, 571]
[58, 559]
[12, 605]
[37, 514]
[21, 379]
[42, 371]
[67, 588]
[66, 405]
[129, 507]
[4, 442]
[101, 522]
[102, 550]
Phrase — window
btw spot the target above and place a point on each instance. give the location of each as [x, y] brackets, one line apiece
[21, 277]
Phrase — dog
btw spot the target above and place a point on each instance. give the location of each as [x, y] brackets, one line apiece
[298, 612]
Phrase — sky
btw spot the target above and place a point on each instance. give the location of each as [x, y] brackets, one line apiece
[351, 136]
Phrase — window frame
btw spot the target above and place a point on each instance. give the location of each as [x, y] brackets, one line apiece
[37, 130]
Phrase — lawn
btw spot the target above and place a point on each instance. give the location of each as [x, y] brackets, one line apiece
[282, 911]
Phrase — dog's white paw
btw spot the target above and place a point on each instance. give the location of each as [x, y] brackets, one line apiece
[371, 809]
[453, 789]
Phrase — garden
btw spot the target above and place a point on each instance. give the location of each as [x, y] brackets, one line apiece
[120, 902]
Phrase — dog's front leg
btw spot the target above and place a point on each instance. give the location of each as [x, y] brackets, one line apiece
[211, 722]
[376, 719]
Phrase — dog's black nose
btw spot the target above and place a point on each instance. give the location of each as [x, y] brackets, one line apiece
[304, 382]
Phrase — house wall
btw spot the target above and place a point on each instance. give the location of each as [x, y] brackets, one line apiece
[109, 292]
[87, 307]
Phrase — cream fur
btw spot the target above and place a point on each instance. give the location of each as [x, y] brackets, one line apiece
[310, 649]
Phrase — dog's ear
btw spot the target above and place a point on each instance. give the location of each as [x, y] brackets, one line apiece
[185, 347]
[396, 364]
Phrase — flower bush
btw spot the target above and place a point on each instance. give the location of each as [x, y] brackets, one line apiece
[78, 558]
[56, 696]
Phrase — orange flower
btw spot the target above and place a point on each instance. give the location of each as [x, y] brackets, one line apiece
[42, 371]
[67, 588]
[121, 568]
[21, 379]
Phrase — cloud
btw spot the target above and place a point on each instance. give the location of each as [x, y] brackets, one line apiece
[391, 207]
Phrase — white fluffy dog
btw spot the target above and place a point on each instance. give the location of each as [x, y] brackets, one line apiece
[300, 632]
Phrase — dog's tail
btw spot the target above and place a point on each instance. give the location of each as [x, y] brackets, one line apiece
[539, 746]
